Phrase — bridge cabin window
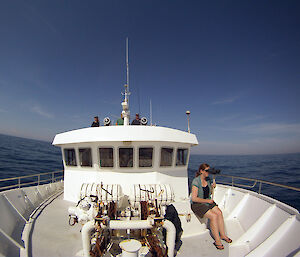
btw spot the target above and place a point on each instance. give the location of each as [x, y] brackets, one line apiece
[145, 156]
[85, 157]
[166, 157]
[106, 157]
[181, 157]
[70, 157]
[125, 157]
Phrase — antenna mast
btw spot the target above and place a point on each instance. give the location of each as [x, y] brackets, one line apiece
[188, 118]
[125, 103]
[127, 65]
[150, 112]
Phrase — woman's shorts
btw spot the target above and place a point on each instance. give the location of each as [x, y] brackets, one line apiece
[201, 208]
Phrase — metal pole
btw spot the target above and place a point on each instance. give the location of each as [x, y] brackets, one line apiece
[150, 112]
[188, 118]
[127, 64]
[259, 190]
[125, 103]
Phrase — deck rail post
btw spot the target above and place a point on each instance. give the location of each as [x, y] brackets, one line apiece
[259, 190]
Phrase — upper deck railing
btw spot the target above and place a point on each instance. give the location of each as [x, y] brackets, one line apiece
[31, 180]
[260, 182]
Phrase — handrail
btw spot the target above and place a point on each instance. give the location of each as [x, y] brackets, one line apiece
[255, 182]
[33, 175]
[52, 177]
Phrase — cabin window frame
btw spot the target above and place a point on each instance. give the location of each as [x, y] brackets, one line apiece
[133, 157]
[138, 157]
[172, 160]
[114, 157]
[187, 157]
[91, 156]
[65, 159]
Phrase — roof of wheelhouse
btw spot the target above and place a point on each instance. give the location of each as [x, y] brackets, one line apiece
[125, 133]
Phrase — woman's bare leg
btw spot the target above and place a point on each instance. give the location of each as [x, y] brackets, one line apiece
[213, 218]
[220, 221]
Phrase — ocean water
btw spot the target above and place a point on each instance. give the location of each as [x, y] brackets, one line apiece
[19, 157]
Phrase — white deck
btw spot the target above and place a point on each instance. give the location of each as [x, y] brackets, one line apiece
[258, 225]
[57, 238]
[52, 235]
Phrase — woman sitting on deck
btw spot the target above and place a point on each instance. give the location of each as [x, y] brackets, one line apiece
[204, 206]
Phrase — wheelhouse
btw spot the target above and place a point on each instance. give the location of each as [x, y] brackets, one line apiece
[125, 155]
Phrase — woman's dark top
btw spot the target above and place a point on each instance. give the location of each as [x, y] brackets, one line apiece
[205, 192]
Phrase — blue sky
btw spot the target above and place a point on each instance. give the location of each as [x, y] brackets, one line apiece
[234, 64]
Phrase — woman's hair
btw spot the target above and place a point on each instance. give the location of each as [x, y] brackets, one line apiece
[203, 166]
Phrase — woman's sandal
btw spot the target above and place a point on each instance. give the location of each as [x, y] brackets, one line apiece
[227, 240]
[219, 247]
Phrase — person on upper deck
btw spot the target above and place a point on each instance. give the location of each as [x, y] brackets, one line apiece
[120, 121]
[203, 206]
[137, 120]
[96, 122]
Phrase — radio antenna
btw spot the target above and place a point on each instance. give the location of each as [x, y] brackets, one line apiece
[150, 112]
[127, 65]
[125, 103]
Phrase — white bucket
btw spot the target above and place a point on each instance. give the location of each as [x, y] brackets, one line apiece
[130, 247]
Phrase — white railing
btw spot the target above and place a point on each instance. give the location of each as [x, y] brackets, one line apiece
[254, 181]
[31, 180]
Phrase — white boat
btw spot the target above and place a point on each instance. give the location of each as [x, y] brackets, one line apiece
[113, 196]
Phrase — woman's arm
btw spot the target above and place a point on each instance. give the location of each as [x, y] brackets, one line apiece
[197, 199]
